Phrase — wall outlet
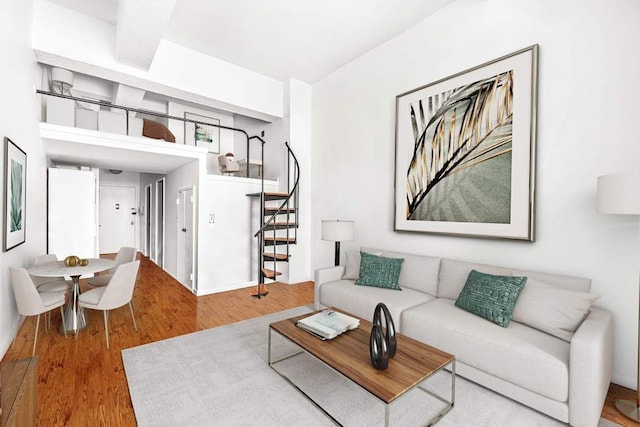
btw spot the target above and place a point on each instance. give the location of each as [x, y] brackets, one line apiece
[212, 218]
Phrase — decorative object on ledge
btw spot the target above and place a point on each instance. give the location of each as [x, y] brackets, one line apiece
[378, 349]
[71, 261]
[156, 130]
[337, 231]
[227, 164]
[15, 194]
[202, 135]
[465, 151]
[618, 194]
[390, 335]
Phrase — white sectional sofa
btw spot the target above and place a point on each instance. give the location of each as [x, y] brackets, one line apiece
[564, 374]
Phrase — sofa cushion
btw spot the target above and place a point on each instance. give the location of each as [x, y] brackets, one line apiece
[567, 282]
[379, 271]
[362, 300]
[352, 269]
[551, 309]
[453, 275]
[419, 272]
[518, 354]
[491, 297]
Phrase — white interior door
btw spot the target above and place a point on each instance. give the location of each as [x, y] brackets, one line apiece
[71, 213]
[185, 237]
[118, 218]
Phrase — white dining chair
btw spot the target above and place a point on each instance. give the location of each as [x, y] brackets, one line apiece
[125, 254]
[50, 284]
[118, 292]
[31, 303]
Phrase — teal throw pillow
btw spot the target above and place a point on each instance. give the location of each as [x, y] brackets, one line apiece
[491, 297]
[379, 271]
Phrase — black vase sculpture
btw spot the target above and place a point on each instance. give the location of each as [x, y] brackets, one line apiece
[390, 336]
[378, 348]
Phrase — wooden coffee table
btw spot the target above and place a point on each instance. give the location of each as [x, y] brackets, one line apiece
[348, 354]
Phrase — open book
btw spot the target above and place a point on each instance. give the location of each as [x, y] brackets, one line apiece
[328, 324]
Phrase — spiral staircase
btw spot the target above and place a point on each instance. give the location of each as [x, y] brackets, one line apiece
[278, 226]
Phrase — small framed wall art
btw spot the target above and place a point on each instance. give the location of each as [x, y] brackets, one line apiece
[15, 195]
[465, 151]
[202, 134]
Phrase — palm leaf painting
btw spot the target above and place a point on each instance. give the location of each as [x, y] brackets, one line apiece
[15, 212]
[457, 130]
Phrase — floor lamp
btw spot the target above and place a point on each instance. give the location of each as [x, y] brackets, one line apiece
[337, 231]
[620, 194]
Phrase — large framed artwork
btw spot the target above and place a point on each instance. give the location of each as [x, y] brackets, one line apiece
[200, 134]
[15, 195]
[465, 151]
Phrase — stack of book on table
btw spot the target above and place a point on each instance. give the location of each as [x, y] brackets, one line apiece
[328, 324]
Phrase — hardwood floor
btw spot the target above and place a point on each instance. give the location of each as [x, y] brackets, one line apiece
[82, 383]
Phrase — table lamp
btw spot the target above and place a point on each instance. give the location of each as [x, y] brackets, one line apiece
[620, 194]
[337, 231]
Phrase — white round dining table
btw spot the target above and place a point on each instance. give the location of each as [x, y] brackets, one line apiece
[74, 316]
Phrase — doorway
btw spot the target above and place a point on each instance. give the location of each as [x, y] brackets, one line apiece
[185, 237]
[118, 210]
[159, 222]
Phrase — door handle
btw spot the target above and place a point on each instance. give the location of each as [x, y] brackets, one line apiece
[184, 230]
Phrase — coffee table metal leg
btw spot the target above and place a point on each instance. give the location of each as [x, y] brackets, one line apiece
[450, 403]
[386, 415]
[74, 317]
[431, 422]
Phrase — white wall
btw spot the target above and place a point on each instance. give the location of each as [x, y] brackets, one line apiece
[181, 178]
[587, 108]
[227, 249]
[275, 152]
[299, 106]
[19, 109]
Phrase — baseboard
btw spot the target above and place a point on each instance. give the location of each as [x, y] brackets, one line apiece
[624, 380]
[228, 288]
[6, 341]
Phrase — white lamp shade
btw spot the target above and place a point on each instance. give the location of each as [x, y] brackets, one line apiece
[619, 193]
[62, 77]
[337, 230]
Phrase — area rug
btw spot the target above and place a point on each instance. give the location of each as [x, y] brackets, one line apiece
[220, 376]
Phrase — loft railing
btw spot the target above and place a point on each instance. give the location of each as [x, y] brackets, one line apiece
[165, 116]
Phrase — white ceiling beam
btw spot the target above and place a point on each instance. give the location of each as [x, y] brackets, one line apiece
[139, 27]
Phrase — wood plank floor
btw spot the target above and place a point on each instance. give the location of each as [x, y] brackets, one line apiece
[82, 383]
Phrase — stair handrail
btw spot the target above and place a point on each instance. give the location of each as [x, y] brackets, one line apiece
[157, 114]
[291, 192]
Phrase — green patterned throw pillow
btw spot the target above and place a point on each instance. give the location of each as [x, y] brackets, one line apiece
[491, 297]
[379, 271]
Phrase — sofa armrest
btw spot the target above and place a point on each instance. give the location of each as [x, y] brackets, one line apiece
[590, 365]
[322, 276]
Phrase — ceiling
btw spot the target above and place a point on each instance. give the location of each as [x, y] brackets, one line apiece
[305, 40]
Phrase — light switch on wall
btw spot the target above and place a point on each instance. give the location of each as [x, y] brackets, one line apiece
[212, 218]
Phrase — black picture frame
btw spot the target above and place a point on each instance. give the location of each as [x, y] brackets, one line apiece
[15, 195]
